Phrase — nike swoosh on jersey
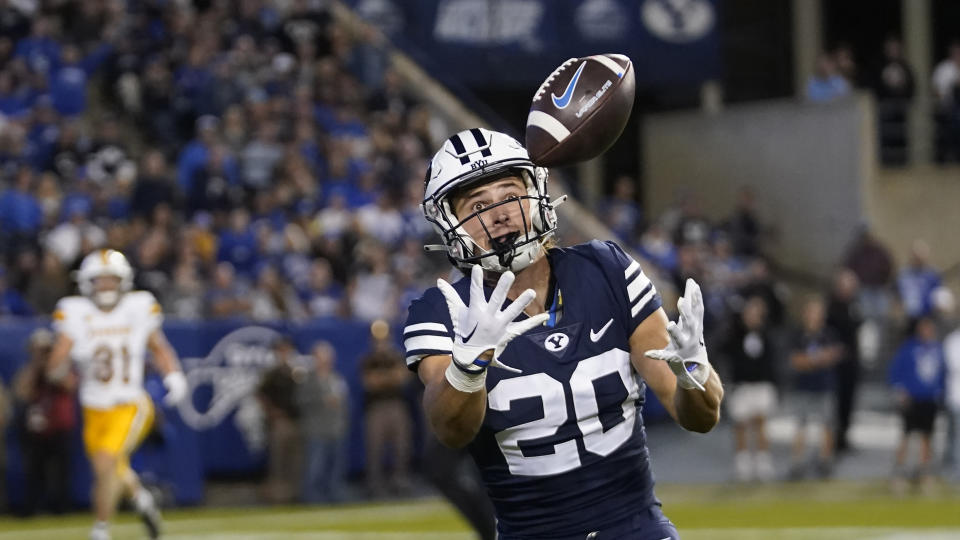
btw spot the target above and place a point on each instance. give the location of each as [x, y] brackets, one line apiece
[595, 336]
[564, 100]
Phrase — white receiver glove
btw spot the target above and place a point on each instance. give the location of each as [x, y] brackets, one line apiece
[482, 327]
[686, 353]
[176, 385]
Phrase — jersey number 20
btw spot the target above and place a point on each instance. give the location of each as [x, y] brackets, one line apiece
[565, 456]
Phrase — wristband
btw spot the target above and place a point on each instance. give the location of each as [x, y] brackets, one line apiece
[465, 382]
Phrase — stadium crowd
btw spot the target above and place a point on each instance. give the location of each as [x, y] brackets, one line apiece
[266, 163]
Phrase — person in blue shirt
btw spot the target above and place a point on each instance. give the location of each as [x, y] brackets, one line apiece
[68, 82]
[20, 212]
[827, 84]
[917, 376]
[39, 50]
[917, 281]
[11, 301]
[576, 334]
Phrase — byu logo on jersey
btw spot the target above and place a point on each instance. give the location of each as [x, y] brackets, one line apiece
[556, 342]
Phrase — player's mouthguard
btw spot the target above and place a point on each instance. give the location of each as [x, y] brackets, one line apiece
[504, 243]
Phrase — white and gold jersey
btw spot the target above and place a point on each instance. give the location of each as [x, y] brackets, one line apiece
[109, 347]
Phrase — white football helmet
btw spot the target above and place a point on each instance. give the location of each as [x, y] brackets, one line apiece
[104, 262]
[475, 156]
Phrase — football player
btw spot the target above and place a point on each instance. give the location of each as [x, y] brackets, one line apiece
[576, 334]
[108, 332]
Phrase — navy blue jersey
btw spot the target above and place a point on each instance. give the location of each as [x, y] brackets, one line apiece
[562, 448]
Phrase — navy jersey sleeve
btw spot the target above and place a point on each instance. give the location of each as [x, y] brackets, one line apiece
[428, 330]
[637, 296]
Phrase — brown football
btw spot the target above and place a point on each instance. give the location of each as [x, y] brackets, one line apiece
[580, 110]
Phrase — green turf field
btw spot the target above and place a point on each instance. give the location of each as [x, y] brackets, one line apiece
[840, 511]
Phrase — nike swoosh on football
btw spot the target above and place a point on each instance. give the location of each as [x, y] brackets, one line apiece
[595, 336]
[564, 100]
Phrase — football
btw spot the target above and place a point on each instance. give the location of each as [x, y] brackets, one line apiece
[580, 110]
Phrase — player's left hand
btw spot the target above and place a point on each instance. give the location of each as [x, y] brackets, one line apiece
[686, 353]
[176, 385]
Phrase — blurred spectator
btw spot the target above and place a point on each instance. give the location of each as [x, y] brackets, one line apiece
[20, 212]
[725, 274]
[272, 299]
[154, 186]
[744, 227]
[76, 236]
[917, 376]
[47, 419]
[324, 399]
[68, 81]
[871, 261]
[946, 87]
[657, 246]
[49, 285]
[278, 396]
[213, 185]
[260, 156]
[843, 318]
[749, 348]
[194, 154]
[238, 244]
[11, 302]
[951, 351]
[184, 300]
[827, 83]
[760, 282]
[323, 297]
[692, 228]
[372, 292]
[846, 64]
[814, 354]
[917, 282]
[226, 298]
[620, 210]
[386, 418]
[894, 88]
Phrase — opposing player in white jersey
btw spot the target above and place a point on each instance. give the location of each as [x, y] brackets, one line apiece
[107, 331]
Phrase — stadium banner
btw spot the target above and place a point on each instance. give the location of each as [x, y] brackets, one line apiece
[518, 42]
[220, 430]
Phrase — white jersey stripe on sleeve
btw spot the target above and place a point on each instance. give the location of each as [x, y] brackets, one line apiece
[637, 286]
[634, 265]
[424, 326]
[643, 301]
[428, 342]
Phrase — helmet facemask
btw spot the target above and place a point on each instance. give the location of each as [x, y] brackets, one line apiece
[100, 264]
[512, 251]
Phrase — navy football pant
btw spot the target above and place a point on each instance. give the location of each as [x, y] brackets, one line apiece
[648, 524]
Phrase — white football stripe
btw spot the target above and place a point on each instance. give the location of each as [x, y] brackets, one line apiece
[643, 302]
[549, 124]
[436, 327]
[616, 68]
[633, 266]
[428, 342]
[637, 286]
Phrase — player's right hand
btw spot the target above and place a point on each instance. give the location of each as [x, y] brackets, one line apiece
[482, 326]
